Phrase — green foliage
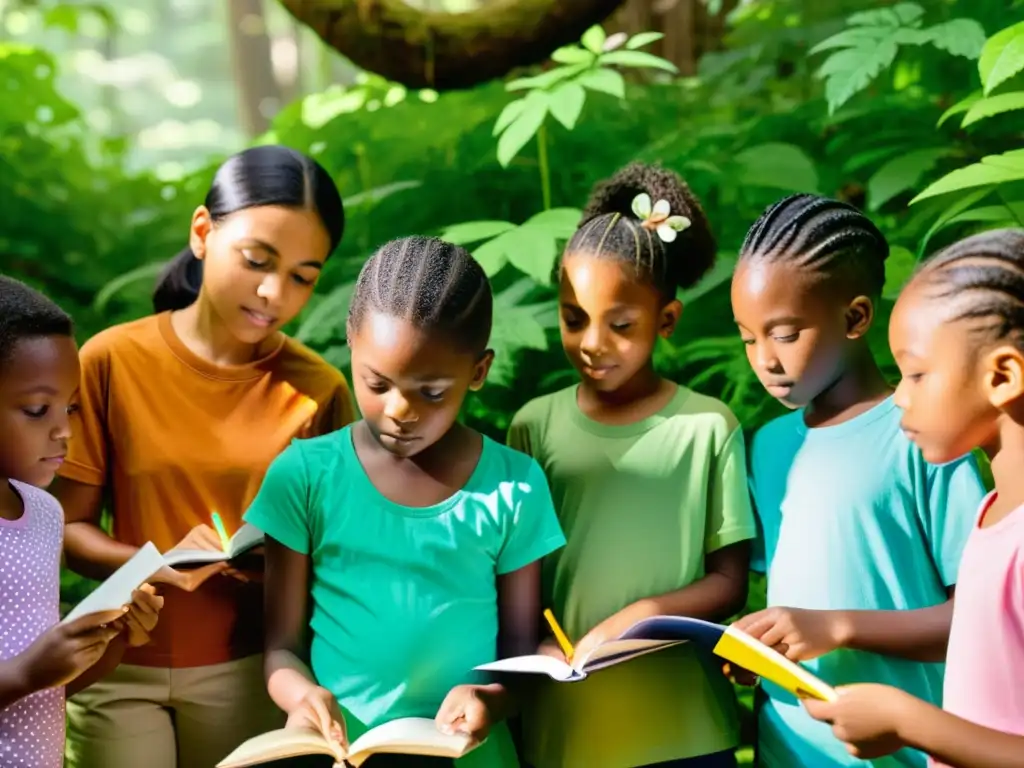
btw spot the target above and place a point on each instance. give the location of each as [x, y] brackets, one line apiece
[872, 40]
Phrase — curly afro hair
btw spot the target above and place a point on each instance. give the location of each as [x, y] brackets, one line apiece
[25, 313]
[610, 229]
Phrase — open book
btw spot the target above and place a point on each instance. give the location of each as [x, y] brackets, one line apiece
[116, 591]
[247, 537]
[407, 736]
[660, 632]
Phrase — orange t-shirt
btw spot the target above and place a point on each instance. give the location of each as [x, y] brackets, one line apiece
[173, 438]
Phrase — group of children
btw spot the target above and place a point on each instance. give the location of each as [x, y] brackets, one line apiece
[403, 548]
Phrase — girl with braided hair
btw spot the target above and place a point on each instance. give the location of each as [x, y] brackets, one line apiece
[407, 544]
[649, 480]
[957, 333]
[860, 536]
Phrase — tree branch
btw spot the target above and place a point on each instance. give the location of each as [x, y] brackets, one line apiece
[429, 49]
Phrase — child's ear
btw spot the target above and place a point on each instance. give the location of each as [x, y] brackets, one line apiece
[860, 313]
[1004, 376]
[202, 223]
[669, 318]
[480, 370]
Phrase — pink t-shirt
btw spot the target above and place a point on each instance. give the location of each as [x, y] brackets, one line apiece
[985, 660]
[31, 729]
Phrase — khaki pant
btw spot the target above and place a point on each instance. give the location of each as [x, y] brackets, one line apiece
[153, 717]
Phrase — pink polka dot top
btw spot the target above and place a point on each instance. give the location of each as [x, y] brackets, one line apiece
[31, 729]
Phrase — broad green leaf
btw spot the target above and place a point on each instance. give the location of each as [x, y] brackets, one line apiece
[952, 211]
[960, 37]
[511, 111]
[994, 105]
[902, 173]
[850, 71]
[1012, 211]
[593, 39]
[898, 268]
[566, 103]
[532, 251]
[961, 106]
[994, 169]
[377, 194]
[605, 81]
[869, 157]
[776, 166]
[547, 79]
[852, 37]
[523, 128]
[718, 274]
[642, 39]
[491, 256]
[572, 54]
[899, 15]
[1002, 57]
[638, 59]
[475, 231]
[326, 320]
[561, 223]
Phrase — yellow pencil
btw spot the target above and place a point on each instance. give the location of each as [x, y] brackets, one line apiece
[218, 524]
[563, 641]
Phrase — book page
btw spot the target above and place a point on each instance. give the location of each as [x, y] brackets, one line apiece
[117, 590]
[537, 665]
[740, 648]
[247, 537]
[279, 745]
[408, 736]
[618, 651]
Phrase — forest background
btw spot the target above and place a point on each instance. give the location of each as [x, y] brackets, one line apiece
[487, 122]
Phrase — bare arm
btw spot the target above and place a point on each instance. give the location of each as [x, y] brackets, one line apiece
[721, 593]
[87, 547]
[286, 600]
[918, 635]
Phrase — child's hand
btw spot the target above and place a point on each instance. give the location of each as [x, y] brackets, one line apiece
[142, 615]
[550, 647]
[318, 711]
[65, 651]
[796, 633]
[867, 717]
[609, 629]
[468, 709]
[189, 580]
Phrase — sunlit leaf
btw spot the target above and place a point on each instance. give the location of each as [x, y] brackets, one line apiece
[994, 169]
[994, 105]
[546, 79]
[532, 251]
[960, 37]
[523, 128]
[593, 39]
[642, 39]
[605, 81]
[566, 104]
[377, 194]
[639, 59]
[1002, 57]
[561, 223]
[961, 106]
[511, 111]
[572, 54]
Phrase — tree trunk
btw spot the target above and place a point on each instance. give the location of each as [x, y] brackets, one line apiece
[429, 49]
[690, 31]
[258, 94]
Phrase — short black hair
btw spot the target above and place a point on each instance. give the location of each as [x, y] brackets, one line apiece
[26, 313]
[433, 284]
[610, 229]
[982, 277]
[823, 236]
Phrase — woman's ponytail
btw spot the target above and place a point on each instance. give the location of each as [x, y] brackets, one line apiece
[178, 284]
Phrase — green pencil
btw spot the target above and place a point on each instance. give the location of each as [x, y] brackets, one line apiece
[218, 524]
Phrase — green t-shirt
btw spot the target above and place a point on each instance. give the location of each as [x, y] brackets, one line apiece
[404, 599]
[641, 505]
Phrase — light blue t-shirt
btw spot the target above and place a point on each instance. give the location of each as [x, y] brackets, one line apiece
[404, 599]
[852, 517]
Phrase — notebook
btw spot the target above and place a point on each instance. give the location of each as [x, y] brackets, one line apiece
[247, 537]
[407, 736]
[116, 591]
[660, 632]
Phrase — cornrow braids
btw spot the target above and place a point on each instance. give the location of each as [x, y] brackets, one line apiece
[609, 229]
[26, 313]
[431, 283]
[982, 277]
[823, 236]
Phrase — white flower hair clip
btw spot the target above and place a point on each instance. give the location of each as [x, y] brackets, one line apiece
[656, 218]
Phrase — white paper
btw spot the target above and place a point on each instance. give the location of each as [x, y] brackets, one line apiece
[116, 591]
